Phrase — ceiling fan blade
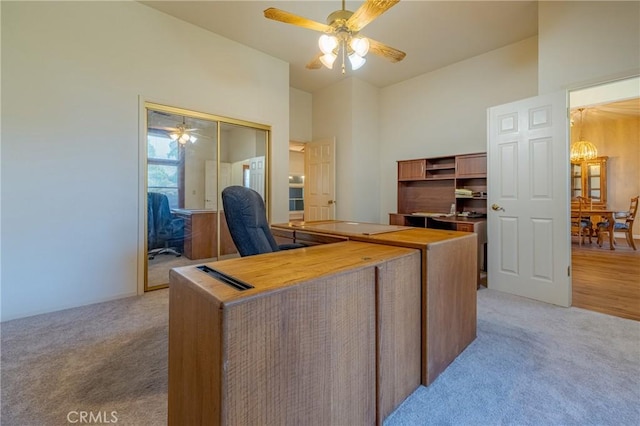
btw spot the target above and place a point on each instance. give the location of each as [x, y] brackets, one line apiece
[290, 18]
[156, 127]
[369, 11]
[315, 63]
[388, 52]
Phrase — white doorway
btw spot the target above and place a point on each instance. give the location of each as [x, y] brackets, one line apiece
[320, 180]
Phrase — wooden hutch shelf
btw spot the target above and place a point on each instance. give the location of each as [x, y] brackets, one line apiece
[429, 185]
[427, 190]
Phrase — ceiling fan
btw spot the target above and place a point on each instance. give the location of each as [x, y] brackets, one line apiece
[342, 34]
[181, 133]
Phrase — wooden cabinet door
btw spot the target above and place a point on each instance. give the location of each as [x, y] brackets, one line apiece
[595, 180]
[411, 169]
[589, 179]
[473, 165]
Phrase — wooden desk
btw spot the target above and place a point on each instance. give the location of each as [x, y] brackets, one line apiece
[327, 335]
[449, 270]
[455, 223]
[466, 224]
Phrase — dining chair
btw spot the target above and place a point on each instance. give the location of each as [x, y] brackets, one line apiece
[623, 223]
[581, 225]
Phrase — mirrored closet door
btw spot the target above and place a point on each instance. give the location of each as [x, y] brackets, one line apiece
[191, 158]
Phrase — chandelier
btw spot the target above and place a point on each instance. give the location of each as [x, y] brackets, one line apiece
[181, 134]
[582, 150]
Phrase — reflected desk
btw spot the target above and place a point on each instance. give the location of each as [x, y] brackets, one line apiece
[201, 233]
[323, 335]
[449, 276]
[608, 215]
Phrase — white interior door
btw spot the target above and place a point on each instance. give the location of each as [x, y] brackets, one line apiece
[256, 175]
[528, 215]
[320, 180]
[210, 185]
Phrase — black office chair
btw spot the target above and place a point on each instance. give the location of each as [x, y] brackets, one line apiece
[165, 232]
[247, 221]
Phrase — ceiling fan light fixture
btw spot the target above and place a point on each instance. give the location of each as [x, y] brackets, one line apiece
[360, 45]
[328, 59]
[327, 43]
[356, 61]
[184, 138]
[174, 136]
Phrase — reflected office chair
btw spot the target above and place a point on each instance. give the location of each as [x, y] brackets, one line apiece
[623, 223]
[247, 221]
[165, 232]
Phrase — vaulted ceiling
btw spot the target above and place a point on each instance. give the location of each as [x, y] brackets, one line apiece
[433, 34]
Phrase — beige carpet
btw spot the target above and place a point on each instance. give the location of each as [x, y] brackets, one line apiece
[158, 268]
[532, 364]
[102, 359]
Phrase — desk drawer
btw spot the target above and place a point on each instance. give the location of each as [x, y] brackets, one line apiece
[465, 227]
[312, 238]
[283, 236]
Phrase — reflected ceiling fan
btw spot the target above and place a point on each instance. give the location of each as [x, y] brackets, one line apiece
[342, 34]
[181, 133]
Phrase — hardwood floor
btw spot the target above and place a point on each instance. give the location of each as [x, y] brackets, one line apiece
[606, 281]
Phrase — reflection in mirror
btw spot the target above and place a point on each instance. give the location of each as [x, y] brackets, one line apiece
[243, 152]
[187, 169]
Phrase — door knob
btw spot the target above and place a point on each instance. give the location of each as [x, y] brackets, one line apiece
[496, 207]
[332, 202]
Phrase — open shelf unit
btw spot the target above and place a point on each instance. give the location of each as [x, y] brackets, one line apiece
[429, 184]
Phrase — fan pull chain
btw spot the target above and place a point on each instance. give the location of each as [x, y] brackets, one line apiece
[344, 47]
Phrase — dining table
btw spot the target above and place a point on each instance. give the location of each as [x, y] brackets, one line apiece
[606, 214]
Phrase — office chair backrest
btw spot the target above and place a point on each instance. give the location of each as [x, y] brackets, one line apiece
[247, 220]
[160, 215]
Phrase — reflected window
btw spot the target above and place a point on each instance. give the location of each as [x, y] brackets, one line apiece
[296, 199]
[163, 166]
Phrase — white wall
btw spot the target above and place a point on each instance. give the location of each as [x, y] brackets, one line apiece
[332, 118]
[364, 177]
[296, 163]
[300, 104]
[587, 42]
[444, 112]
[72, 74]
[348, 110]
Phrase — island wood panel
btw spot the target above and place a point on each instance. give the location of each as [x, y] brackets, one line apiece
[399, 332]
[450, 270]
[302, 346]
[449, 298]
[451, 302]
